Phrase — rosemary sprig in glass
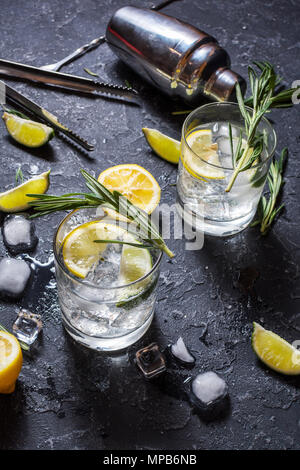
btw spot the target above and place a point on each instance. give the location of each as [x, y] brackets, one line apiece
[264, 96]
[99, 195]
[267, 210]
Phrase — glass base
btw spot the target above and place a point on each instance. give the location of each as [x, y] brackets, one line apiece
[215, 228]
[106, 344]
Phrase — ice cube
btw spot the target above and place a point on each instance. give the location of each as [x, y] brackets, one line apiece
[27, 326]
[151, 361]
[19, 234]
[106, 271]
[14, 275]
[209, 387]
[223, 129]
[180, 352]
[224, 145]
[208, 393]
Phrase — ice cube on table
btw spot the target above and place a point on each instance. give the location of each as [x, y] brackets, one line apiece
[14, 276]
[208, 388]
[19, 234]
[180, 352]
[151, 361]
[27, 326]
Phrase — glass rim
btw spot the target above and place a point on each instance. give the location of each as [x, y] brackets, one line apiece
[90, 284]
[230, 103]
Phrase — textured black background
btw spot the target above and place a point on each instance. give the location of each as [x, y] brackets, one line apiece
[68, 397]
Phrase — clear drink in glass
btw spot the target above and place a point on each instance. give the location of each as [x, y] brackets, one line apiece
[98, 311]
[201, 197]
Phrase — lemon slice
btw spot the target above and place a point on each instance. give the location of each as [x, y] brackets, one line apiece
[202, 161]
[164, 146]
[29, 133]
[11, 359]
[15, 200]
[275, 352]
[134, 182]
[80, 252]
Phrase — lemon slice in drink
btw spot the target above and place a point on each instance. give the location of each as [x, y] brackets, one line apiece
[164, 146]
[80, 252]
[11, 359]
[202, 161]
[275, 352]
[15, 200]
[26, 132]
[134, 182]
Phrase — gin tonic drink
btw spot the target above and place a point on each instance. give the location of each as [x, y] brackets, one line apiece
[106, 291]
[205, 169]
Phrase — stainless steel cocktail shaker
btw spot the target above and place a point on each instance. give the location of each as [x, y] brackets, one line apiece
[176, 57]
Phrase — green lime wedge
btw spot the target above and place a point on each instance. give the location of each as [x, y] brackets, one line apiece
[29, 133]
[16, 199]
[164, 146]
[135, 264]
[275, 352]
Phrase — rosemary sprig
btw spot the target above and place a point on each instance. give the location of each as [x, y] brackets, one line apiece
[90, 72]
[267, 210]
[121, 242]
[19, 176]
[282, 98]
[23, 345]
[264, 96]
[99, 195]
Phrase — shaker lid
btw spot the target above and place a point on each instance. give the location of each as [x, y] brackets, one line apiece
[221, 85]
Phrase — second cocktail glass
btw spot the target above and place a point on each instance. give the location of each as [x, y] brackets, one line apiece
[205, 169]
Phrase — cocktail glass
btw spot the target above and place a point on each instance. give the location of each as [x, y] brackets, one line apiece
[104, 316]
[201, 197]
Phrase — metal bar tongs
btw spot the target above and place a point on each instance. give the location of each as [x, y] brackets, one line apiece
[33, 108]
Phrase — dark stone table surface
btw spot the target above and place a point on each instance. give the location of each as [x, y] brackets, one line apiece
[69, 397]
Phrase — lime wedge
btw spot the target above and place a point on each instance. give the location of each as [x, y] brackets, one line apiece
[202, 161]
[135, 263]
[29, 133]
[15, 200]
[164, 146]
[275, 352]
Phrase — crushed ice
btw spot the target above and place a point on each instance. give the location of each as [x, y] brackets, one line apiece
[180, 351]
